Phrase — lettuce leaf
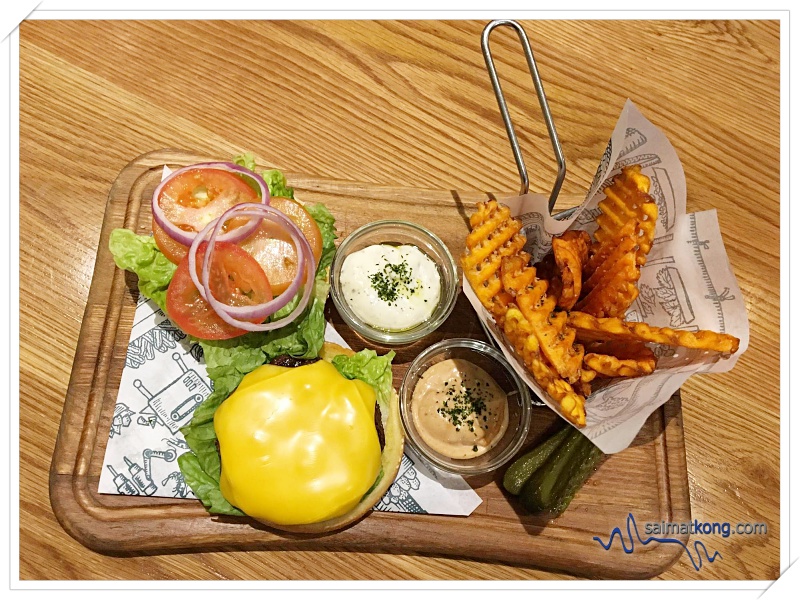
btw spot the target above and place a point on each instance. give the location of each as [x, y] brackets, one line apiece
[326, 224]
[371, 368]
[276, 181]
[246, 160]
[228, 361]
[139, 254]
[204, 487]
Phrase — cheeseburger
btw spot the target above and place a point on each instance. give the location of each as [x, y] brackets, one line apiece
[305, 449]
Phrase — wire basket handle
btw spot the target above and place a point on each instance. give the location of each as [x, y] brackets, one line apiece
[501, 102]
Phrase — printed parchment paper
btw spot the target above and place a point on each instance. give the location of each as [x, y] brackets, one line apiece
[164, 380]
[687, 282]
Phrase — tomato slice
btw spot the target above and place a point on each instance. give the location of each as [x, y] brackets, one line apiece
[301, 217]
[272, 246]
[194, 198]
[172, 249]
[235, 278]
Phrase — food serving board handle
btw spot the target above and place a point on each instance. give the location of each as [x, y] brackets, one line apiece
[648, 480]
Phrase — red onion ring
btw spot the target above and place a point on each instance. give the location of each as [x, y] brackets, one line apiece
[185, 237]
[246, 312]
[233, 314]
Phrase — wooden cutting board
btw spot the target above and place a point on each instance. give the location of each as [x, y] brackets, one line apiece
[648, 480]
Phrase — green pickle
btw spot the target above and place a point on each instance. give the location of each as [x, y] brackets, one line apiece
[547, 478]
[543, 490]
[525, 466]
[580, 474]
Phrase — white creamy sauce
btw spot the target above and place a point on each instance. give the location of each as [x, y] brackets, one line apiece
[458, 409]
[391, 287]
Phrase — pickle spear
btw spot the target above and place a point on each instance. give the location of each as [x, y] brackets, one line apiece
[543, 490]
[584, 469]
[525, 466]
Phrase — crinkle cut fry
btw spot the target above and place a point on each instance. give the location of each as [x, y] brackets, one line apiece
[519, 332]
[589, 328]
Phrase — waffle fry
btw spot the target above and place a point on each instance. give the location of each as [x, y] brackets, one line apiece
[604, 256]
[613, 289]
[583, 388]
[547, 269]
[520, 332]
[571, 253]
[495, 235]
[625, 236]
[497, 269]
[537, 305]
[515, 274]
[556, 340]
[619, 359]
[600, 253]
[589, 329]
[562, 316]
[627, 199]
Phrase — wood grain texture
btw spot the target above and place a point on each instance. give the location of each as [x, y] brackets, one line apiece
[397, 104]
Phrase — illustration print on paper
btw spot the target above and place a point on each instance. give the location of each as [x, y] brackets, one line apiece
[138, 480]
[173, 405]
[605, 160]
[538, 241]
[399, 497]
[123, 417]
[160, 338]
[716, 298]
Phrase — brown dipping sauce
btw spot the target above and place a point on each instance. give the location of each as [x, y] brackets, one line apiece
[459, 410]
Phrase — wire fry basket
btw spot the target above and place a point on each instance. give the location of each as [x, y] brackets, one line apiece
[512, 135]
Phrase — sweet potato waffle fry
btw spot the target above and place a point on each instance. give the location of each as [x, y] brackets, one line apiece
[562, 316]
[571, 253]
[619, 359]
[615, 292]
[533, 298]
[625, 234]
[521, 333]
[591, 328]
[627, 199]
[498, 271]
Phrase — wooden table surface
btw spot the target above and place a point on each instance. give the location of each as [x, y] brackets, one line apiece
[397, 103]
